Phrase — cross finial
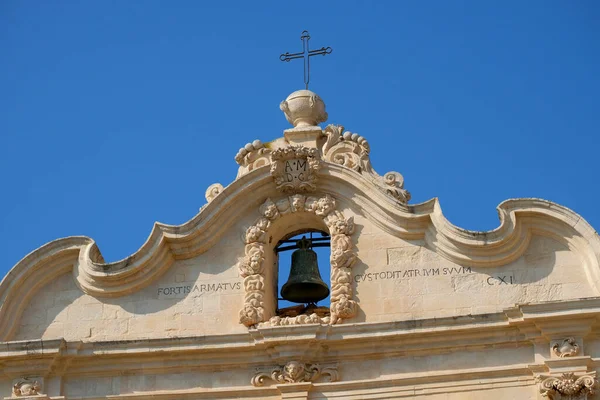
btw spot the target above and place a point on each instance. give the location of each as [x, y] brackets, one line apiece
[306, 54]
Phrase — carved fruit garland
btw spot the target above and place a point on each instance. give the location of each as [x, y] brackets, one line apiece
[343, 256]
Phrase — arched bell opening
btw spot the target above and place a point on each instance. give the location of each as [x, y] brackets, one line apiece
[304, 273]
[281, 220]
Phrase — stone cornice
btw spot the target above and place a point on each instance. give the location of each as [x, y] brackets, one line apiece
[519, 220]
[323, 343]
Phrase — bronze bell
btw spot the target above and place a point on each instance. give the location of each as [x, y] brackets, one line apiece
[304, 284]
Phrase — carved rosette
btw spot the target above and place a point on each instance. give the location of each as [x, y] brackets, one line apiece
[295, 372]
[568, 386]
[26, 387]
[567, 348]
[295, 168]
[343, 256]
[352, 151]
[251, 156]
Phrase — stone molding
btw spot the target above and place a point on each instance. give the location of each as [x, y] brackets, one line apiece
[295, 372]
[568, 386]
[345, 342]
[343, 256]
[519, 219]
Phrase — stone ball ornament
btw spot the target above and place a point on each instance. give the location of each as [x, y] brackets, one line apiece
[304, 108]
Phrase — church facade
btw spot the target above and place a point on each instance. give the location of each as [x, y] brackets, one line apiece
[419, 308]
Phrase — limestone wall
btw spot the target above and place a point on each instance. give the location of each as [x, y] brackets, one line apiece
[398, 280]
[393, 279]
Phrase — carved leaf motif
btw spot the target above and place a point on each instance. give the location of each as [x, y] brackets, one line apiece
[294, 372]
[394, 185]
[567, 348]
[25, 387]
[254, 283]
[568, 386]
[348, 149]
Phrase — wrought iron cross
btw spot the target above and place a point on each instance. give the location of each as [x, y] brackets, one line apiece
[306, 54]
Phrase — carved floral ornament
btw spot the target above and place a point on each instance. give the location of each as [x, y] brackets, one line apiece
[295, 372]
[340, 147]
[568, 386]
[343, 256]
[25, 387]
[567, 348]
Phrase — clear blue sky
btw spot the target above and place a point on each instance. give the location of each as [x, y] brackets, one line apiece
[116, 114]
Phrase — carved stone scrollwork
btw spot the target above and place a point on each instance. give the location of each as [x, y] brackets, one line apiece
[568, 348]
[343, 256]
[394, 185]
[213, 191]
[251, 156]
[26, 387]
[295, 372]
[348, 149]
[295, 168]
[352, 150]
[568, 386]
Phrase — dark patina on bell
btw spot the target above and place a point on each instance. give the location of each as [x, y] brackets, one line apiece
[304, 284]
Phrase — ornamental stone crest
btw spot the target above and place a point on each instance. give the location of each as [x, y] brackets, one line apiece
[568, 386]
[567, 348]
[295, 159]
[343, 256]
[251, 156]
[294, 168]
[352, 151]
[295, 372]
[25, 387]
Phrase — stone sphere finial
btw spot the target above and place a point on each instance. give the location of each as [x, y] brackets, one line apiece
[304, 108]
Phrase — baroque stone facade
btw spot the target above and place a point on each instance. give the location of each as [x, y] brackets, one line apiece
[418, 309]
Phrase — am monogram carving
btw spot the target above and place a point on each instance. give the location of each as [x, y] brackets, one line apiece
[294, 168]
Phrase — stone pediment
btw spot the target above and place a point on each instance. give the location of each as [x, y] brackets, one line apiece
[391, 260]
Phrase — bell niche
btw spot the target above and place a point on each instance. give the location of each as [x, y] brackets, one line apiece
[304, 284]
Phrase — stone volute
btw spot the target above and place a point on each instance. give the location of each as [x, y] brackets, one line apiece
[304, 108]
